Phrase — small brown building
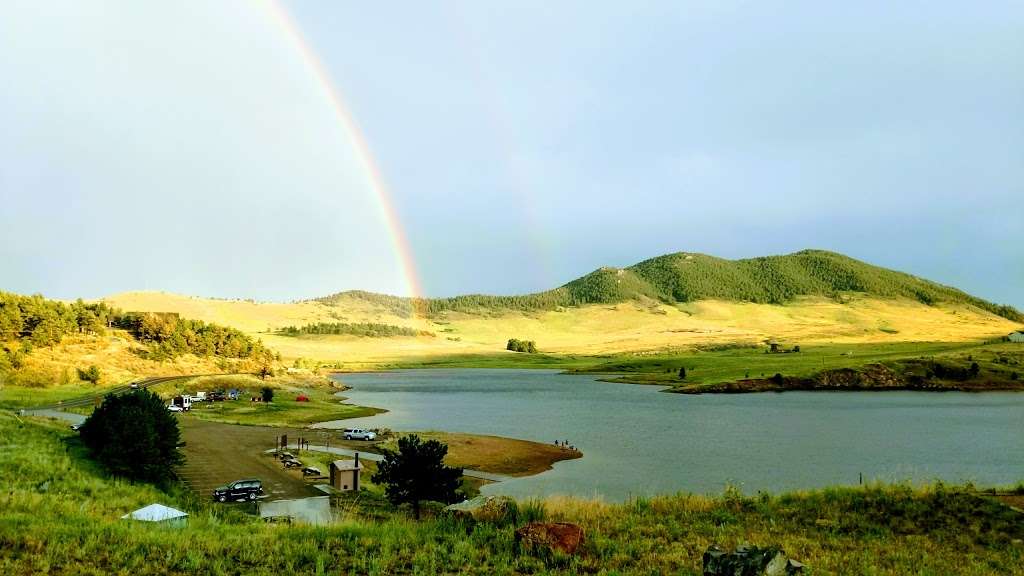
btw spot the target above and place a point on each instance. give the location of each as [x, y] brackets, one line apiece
[345, 474]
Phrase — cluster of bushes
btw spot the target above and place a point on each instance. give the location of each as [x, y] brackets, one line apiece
[171, 336]
[516, 345]
[366, 329]
[90, 374]
[37, 321]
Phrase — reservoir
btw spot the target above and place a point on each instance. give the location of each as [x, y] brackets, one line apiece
[637, 440]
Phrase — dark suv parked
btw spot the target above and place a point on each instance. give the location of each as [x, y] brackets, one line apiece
[247, 489]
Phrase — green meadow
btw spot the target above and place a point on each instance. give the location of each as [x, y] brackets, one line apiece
[61, 515]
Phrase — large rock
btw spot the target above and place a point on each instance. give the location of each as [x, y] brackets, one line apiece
[749, 561]
[561, 536]
[493, 509]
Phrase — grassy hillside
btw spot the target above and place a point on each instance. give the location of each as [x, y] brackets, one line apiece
[61, 515]
[661, 306]
[47, 342]
[687, 277]
[642, 328]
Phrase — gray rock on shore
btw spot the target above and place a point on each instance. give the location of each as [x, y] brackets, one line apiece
[749, 561]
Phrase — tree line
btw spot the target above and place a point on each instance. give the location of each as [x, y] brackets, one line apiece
[171, 336]
[38, 321]
[363, 329]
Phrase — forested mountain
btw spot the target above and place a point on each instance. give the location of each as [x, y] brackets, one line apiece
[687, 277]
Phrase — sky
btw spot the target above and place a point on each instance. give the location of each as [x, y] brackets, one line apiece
[280, 151]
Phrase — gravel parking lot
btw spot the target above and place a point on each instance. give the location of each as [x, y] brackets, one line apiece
[220, 453]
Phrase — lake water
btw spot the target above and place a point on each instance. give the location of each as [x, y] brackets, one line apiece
[637, 440]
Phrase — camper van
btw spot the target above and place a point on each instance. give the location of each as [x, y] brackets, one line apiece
[182, 402]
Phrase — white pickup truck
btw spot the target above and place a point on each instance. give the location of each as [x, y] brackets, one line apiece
[359, 434]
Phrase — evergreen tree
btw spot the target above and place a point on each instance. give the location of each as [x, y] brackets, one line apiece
[417, 472]
[134, 435]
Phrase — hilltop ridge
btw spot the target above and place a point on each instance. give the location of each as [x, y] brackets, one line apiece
[683, 277]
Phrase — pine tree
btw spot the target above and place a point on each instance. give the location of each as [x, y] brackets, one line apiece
[416, 472]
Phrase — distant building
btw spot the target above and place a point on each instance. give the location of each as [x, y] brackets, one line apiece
[1017, 336]
[345, 474]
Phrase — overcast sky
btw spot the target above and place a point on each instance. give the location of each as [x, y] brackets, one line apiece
[189, 147]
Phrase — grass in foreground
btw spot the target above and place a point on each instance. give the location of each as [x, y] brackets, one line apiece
[59, 514]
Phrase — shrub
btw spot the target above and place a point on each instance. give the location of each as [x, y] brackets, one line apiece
[134, 435]
[516, 345]
[90, 374]
[267, 394]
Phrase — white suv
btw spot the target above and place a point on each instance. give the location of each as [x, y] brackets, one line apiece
[359, 434]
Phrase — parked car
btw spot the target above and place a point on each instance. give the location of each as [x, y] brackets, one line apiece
[359, 434]
[75, 427]
[134, 385]
[248, 489]
[217, 396]
[174, 408]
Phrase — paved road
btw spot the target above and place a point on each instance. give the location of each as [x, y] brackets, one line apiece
[90, 399]
[377, 458]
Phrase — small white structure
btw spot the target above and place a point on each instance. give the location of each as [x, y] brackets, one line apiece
[1017, 336]
[158, 513]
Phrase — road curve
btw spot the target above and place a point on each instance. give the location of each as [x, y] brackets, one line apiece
[90, 399]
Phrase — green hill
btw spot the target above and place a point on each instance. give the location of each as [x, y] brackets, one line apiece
[687, 277]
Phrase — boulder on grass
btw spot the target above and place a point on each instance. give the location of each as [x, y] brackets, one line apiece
[561, 536]
[749, 561]
[492, 509]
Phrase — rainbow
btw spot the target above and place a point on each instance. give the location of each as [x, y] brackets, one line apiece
[350, 127]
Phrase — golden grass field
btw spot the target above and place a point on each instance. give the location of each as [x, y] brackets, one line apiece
[631, 327]
[116, 354]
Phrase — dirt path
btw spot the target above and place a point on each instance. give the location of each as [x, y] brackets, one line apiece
[216, 454]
